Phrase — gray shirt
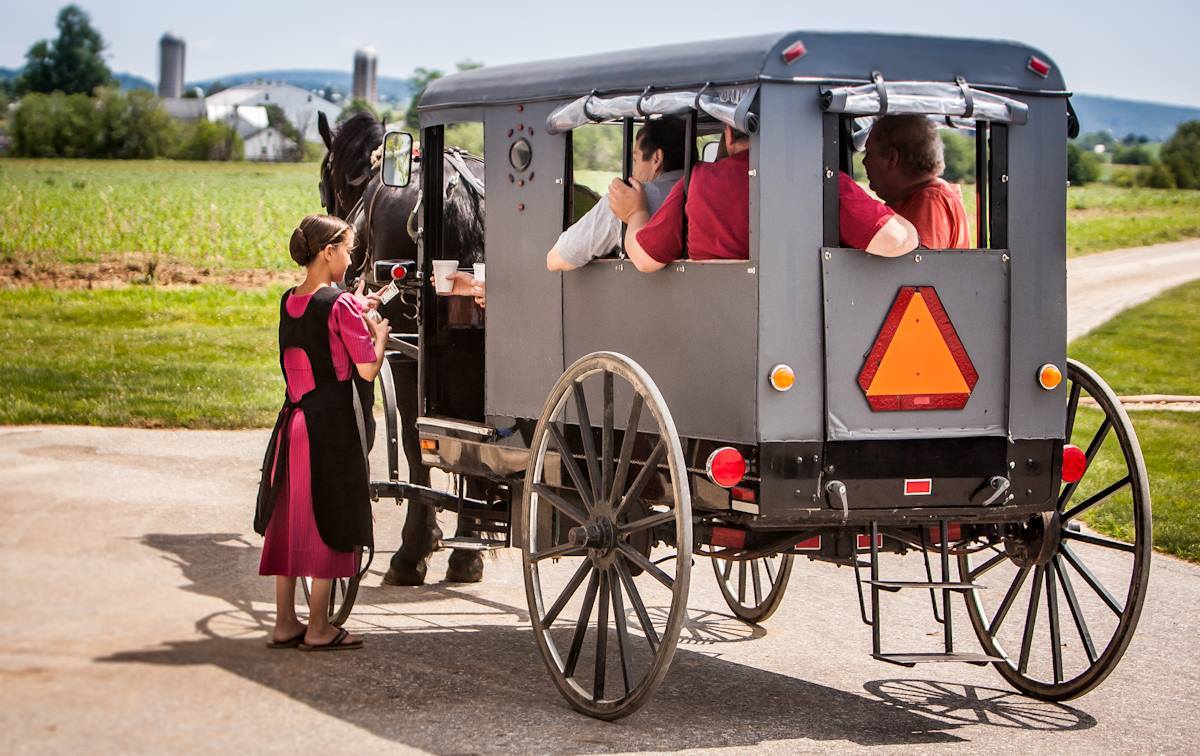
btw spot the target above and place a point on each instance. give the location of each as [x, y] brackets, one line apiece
[599, 231]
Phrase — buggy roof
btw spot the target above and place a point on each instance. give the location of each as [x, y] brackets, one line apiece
[829, 56]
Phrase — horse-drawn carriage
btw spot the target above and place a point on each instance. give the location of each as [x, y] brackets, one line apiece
[810, 401]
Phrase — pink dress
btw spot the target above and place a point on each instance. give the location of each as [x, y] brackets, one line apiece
[293, 547]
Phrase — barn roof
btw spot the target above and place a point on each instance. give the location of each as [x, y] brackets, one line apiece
[843, 57]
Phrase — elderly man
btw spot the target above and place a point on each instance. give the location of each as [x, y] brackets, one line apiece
[657, 165]
[718, 215]
[904, 162]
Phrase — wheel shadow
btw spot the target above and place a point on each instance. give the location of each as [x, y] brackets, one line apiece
[445, 679]
[977, 705]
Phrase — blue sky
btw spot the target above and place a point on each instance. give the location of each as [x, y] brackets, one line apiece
[1145, 50]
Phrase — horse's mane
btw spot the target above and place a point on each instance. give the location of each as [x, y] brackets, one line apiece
[356, 138]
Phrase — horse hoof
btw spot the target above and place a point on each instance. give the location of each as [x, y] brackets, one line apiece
[465, 567]
[406, 574]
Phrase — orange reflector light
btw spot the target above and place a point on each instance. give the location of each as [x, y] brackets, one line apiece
[429, 444]
[1049, 376]
[782, 377]
[726, 467]
[1074, 463]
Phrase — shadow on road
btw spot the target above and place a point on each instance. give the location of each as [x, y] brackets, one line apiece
[445, 685]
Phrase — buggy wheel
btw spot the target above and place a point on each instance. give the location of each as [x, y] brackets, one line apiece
[753, 588]
[341, 597]
[609, 512]
[1091, 587]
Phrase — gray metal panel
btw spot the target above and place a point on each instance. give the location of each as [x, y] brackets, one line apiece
[1037, 238]
[524, 312]
[830, 55]
[785, 239]
[691, 326]
[859, 291]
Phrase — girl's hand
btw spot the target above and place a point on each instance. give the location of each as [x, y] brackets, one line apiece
[379, 329]
[367, 301]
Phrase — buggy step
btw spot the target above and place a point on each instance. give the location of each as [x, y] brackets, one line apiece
[472, 544]
[911, 660]
[895, 585]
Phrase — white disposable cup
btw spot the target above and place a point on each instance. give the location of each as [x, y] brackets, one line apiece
[442, 270]
[479, 272]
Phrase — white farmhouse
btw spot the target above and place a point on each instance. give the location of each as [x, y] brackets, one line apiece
[299, 105]
[268, 144]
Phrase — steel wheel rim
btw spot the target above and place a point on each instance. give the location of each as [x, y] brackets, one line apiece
[612, 583]
[1065, 578]
[753, 589]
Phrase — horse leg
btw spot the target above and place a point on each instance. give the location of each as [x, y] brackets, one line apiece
[467, 566]
[421, 534]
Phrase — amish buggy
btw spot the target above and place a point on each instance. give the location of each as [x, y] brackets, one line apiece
[810, 401]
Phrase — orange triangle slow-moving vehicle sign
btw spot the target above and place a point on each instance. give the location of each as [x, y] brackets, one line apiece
[917, 361]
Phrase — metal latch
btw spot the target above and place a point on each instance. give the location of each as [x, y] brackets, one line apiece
[838, 488]
[1000, 484]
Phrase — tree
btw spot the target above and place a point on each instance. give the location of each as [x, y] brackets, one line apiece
[355, 106]
[1083, 166]
[277, 119]
[72, 63]
[207, 140]
[1181, 154]
[55, 125]
[132, 125]
[959, 152]
[1159, 176]
[1132, 154]
[422, 77]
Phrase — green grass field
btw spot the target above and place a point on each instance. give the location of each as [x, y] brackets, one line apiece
[207, 215]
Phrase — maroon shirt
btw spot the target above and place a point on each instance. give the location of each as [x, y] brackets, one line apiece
[718, 213]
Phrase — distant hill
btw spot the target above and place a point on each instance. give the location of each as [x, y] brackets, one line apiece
[1120, 117]
[126, 80]
[390, 88]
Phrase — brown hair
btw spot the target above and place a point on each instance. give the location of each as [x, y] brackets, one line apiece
[915, 139]
[666, 134]
[315, 233]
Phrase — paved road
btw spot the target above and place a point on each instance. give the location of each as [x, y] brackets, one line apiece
[1101, 285]
[132, 620]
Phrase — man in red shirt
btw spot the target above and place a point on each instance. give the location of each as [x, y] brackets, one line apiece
[718, 215]
[904, 161]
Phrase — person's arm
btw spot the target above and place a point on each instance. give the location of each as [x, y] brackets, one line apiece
[597, 233]
[379, 336]
[642, 259]
[555, 262]
[895, 238]
[466, 285]
[651, 243]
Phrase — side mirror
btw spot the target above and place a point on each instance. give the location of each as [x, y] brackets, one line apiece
[709, 153]
[397, 158]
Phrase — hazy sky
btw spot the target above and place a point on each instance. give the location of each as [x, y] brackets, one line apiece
[1144, 50]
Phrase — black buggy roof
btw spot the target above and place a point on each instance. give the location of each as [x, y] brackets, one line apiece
[829, 56]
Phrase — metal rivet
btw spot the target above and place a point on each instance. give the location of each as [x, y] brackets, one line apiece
[520, 108]
[1004, 258]
[1029, 492]
[520, 206]
[511, 178]
[753, 172]
[531, 174]
[510, 133]
[520, 127]
[828, 255]
[828, 468]
[1004, 178]
[828, 173]
[916, 258]
[751, 270]
[520, 182]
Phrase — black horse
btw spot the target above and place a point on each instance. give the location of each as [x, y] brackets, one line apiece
[386, 220]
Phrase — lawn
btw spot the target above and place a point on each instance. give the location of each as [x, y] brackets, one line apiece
[201, 357]
[207, 215]
[1152, 348]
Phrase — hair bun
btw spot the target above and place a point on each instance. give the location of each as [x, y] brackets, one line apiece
[298, 247]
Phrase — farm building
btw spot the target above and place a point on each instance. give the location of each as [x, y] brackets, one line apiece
[268, 144]
[299, 105]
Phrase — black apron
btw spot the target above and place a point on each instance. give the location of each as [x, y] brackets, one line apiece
[340, 497]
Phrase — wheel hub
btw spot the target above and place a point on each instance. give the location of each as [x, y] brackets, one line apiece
[1034, 542]
[599, 537]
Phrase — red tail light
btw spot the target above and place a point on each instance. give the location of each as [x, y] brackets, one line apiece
[741, 493]
[726, 467]
[1038, 66]
[794, 52]
[1074, 464]
[398, 272]
[728, 538]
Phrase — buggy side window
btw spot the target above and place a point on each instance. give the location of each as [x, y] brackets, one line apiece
[594, 159]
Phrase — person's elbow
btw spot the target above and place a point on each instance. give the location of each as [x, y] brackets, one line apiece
[647, 264]
[897, 237]
[555, 262]
[367, 370]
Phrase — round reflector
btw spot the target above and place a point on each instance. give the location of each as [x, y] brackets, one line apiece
[726, 467]
[1049, 376]
[1074, 463]
[782, 377]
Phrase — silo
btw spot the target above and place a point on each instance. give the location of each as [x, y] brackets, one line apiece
[364, 74]
[170, 66]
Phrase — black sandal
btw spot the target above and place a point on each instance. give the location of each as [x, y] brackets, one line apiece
[337, 644]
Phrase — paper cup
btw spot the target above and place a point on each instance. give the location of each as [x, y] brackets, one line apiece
[479, 272]
[442, 269]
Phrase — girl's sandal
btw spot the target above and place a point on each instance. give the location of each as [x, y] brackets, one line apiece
[289, 643]
[337, 644]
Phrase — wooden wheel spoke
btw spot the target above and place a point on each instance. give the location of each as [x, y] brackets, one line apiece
[1055, 632]
[647, 472]
[606, 439]
[1091, 580]
[741, 588]
[1072, 408]
[726, 570]
[601, 640]
[568, 462]
[989, 564]
[657, 518]
[1007, 602]
[622, 472]
[1076, 611]
[1095, 540]
[622, 631]
[1095, 499]
[640, 560]
[754, 573]
[565, 549]
[770, 570]
[568, 591]
[639, 608]
[559, 503]
[589, 440]
[1031, 620]
[581, 626]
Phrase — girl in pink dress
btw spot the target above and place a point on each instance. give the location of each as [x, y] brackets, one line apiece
[313, 505]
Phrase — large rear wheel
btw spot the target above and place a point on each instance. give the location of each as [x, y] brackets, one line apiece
[609, 512]
[1089, 587]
